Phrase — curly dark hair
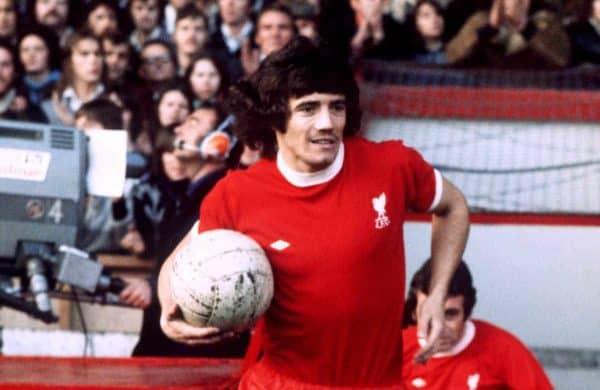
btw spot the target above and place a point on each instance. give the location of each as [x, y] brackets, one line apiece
[460, 284]
[260, 102]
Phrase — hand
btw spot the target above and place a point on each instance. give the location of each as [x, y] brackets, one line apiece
[19, 104]
[430, 326]
[177, 329]
[250, 57]
[137, 293]
[515, 12]
[509, 13]
[133, 242]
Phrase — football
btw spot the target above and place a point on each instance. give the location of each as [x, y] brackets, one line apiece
[222, 279]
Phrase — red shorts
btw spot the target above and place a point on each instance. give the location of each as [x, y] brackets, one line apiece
[262, 376]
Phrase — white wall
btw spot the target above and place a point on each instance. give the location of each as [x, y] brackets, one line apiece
[540, 282]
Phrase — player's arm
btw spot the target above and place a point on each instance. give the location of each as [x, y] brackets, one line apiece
[450, 229]
[171, 321]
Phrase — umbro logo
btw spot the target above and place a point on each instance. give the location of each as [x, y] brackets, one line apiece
[280, 245]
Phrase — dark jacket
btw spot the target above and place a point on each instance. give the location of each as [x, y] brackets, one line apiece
[174, 225]
[585, 42]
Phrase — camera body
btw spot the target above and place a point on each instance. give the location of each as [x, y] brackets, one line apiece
[42, 184]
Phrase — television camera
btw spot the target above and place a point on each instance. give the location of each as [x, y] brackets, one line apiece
[42, 199]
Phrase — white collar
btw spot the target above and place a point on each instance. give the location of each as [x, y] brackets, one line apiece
[70, 99]
[234, 43]
[463, 343]
[303, 179]
[170, 16]
[595, 24]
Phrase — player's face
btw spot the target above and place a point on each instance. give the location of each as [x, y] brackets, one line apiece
[454, 322]
[314, 131]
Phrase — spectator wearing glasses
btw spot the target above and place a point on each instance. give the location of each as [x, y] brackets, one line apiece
[158, 66]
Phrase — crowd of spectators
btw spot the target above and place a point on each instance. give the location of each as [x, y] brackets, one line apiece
[158, 60]
[156, 68]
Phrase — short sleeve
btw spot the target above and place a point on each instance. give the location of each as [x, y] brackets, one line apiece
[423, 183]
[213, 213]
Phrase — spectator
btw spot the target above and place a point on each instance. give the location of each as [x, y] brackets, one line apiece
[39, 56]
[211, 10]
[235, 28]
[206, 79]
[511, 34]
[159, 195]
[158, 63]
[105, 221]
[53, 14]
[190, 36]
[146, 16]
[203, 173]
[171, 10]
[427, 30]
[8, 20]
[339, 34]
[101, 17]
[81, 79]
[158, 66]
[117, 58]
[377, 34]
[585, 35]
[13, 102]
[471, 353]
[172, 105]
[274, 29]
[305, 18]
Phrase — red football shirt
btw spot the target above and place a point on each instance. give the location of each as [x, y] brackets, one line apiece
[337, 253]
[487, 358]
